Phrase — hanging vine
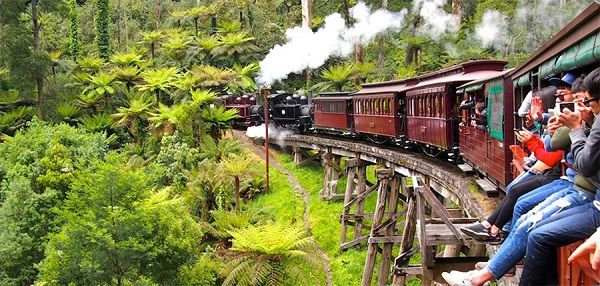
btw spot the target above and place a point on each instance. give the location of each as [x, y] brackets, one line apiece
[102, 19]
[75, 46]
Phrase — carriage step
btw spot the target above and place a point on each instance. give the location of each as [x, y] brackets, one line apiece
[488, 187]
[465, 168]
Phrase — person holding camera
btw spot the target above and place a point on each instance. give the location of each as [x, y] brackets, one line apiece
[523, 237]
[579, 222]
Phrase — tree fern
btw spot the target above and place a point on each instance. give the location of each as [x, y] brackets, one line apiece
[68, 112]
[97, 123]
[267, 252]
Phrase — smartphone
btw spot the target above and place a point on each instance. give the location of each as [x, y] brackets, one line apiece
[569, 105]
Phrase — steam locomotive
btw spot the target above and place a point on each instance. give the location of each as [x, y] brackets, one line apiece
[423, 112]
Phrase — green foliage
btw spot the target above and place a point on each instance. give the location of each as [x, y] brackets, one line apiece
[159, 80]
[167, 119]
[133, 116]
[268, 255]
[218, 150]
[213, 78]
[126, 59]
[233, 220]
[117, 230]
[208, 189]
[205, 272]
[335, 76]
[37, 169]
[96, 123]
[68, 112]
[178, 158]
[152, 38]
[15, 119]
[102, 37]
[74, 47]
[218, 120]
[90, 64]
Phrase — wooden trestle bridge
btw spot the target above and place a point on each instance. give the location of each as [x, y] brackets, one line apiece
[418, 197]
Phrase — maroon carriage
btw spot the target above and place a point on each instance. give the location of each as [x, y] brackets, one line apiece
[486, 134]
[431, 116]
[333, 112]
[242, 104]
[379, 109]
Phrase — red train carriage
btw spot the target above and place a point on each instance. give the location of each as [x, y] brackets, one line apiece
[484, 140]
[379, 109]
[431, 116]
[333, 112]
[242, 104]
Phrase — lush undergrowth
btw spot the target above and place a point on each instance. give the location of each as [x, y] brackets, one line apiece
[347, 266]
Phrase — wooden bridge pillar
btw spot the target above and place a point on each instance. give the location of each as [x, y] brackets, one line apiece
[438, 228]
[301, 157]
[356, 193]
[332, 173]
[383, 231]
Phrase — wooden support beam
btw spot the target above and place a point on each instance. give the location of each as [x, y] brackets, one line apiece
[354, 242]
[389, 229]
[408, 237]
[361, 187]
[438, 208]
[383, 175]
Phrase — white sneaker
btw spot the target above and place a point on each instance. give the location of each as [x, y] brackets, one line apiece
[457, 278]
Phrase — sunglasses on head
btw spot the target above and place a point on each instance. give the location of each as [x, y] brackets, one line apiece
[587, 101]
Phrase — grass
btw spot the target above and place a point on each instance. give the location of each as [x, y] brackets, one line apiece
[347, 266]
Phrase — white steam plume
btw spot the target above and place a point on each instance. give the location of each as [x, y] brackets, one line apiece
[436, 21]
[307, 49]
[279, 134]
[492, 32]
[541, 19]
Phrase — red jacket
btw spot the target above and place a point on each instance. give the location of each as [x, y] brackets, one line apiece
[550, 158]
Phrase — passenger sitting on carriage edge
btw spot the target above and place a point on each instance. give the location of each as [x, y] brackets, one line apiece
[578, 222]
[545, 172]
[513, 249]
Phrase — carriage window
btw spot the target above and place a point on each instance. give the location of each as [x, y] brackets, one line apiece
[437, 105]
[388, 109]
[430, 105]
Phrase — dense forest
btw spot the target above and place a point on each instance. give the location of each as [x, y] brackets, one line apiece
[117, 167]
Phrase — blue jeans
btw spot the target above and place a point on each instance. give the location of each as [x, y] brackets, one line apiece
[563, 229]
[528, 201]
[513, 249]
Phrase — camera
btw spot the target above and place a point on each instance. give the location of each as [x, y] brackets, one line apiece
[569, 105]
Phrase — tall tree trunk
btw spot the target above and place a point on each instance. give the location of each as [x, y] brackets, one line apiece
[126, 25]
[347, 12]
[307, 11]
[237, 193]
[118, 23]
[412, 51]
[381, 56]
[458, 11]
[158, 14]
[39, 78]
[358, 52]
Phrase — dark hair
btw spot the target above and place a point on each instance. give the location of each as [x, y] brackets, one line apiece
[578, 84]
[592, 83]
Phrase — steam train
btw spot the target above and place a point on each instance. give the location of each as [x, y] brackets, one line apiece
[423, 112]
